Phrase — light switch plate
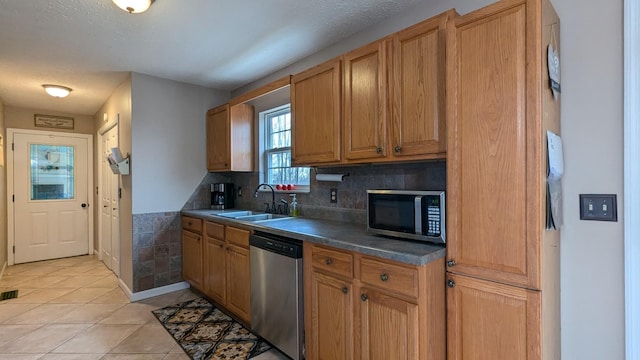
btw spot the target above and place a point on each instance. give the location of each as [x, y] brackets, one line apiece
[600, 207]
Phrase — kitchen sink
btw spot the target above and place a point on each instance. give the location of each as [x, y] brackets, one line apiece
[251, 216]
[236, 214]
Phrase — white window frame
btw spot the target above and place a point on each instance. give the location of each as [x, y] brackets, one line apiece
[632, 177]
[262, 119]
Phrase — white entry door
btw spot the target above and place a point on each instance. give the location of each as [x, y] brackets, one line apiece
[109, 202]
[50, 194]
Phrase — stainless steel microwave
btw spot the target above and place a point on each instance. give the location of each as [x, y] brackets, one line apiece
[415, 215]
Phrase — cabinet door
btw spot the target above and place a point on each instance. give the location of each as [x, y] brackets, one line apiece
[389, 327]
[329, 319]
[491, 321]
[215, 269]
[238, 282]
[315, 107]
[192, 258]
[493, 197]
[365, 99]
[218, 139]
[418, 89]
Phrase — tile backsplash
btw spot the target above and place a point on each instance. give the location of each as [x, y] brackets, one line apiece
[351, 202]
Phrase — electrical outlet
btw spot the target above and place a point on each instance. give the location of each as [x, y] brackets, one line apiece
[333, 196]
[600, 207]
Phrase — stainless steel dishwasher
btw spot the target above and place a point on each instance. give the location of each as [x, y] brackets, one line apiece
[276, 292]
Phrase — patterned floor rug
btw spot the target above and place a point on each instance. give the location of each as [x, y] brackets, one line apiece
[205, 332]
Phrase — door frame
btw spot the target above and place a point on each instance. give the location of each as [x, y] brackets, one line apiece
[103, 130]
[10, 190]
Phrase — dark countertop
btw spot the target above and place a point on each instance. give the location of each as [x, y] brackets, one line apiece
[338, 234]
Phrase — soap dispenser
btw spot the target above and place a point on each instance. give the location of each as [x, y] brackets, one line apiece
[293, 207]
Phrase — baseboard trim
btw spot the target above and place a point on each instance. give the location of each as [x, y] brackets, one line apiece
[141, 295]
[4, 267]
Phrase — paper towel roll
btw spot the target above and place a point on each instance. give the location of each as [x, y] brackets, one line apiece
[329, 177]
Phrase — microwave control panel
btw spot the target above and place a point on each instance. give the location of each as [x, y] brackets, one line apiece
[433, 216]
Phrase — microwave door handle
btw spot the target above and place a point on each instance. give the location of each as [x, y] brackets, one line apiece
[417, 203]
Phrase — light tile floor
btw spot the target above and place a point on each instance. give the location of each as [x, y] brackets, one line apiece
[73, 308]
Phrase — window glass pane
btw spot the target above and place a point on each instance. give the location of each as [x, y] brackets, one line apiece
[52, 175]
[278, 150]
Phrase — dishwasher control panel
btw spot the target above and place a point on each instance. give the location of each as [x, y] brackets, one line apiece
[284, 246]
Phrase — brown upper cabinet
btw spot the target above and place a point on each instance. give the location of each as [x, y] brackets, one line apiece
[365, 102]
[392, 106]
[230, 138]
[417, 90]
[315, 109]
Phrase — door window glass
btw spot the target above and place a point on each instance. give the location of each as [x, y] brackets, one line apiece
[52, 175]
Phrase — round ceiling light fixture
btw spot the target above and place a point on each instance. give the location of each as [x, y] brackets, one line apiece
[57, 90]
[133, 6]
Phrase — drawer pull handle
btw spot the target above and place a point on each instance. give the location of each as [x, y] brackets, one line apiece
[328, 261]
[345, 290]
[364, 297]
[384, 277]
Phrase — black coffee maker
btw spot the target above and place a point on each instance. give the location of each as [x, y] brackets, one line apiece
[222, 196]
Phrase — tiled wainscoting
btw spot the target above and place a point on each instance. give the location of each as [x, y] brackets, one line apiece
[157, 250]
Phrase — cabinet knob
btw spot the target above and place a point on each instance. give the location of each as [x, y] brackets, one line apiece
[328, 261]
[379, 150]
[397, 148]
[189, 223]
[345, 290]
[451, 263]
[364, 297]
[384, 277]
[451, 283]
[221, 246]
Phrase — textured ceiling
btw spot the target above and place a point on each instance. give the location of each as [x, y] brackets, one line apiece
[91, 45]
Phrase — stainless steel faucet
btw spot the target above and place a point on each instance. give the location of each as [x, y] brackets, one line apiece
[273, 197]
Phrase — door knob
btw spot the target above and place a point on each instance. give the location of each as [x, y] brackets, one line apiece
[84, 205]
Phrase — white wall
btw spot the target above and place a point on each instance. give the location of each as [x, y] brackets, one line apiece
[592, 264]
[168, 141]
[592, 252]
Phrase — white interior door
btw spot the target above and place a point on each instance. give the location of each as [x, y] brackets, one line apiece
[110, 204]
[51, 215]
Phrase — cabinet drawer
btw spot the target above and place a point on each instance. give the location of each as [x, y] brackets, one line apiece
[384, 275]
[237, 236]
[215, 230]
[336, 262]
[192, 224]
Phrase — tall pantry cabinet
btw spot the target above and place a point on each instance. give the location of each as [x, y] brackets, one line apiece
[502, 265]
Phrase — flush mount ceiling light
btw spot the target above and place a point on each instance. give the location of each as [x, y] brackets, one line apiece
[134, 6]
[57, 90]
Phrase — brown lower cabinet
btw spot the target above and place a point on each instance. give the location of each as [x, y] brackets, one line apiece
[221, 263]
[192, 251]
[362, 307]
[489, 320]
